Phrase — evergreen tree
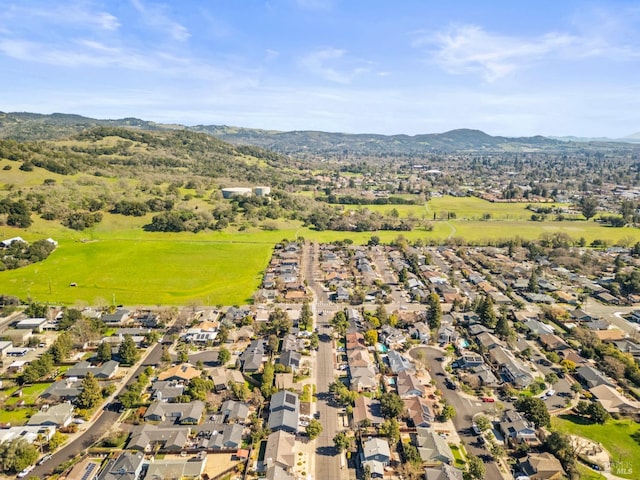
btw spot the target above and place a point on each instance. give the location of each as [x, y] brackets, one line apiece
[487, 312]
[104, 352]
[91, 394]
[503, 329]
[128, 352]
[533, 282]
[434, 314]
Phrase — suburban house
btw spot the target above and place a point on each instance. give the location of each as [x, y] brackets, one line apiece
[552, 342]
[127, 466]
[418, 411]
[516, 429]
[279, 452]
[56, 415]
[116, 319]
[170, 438]
[592, 377]
[511, 369]
[179, 413]
[166, 391]
[180, 373]
[221, 377]
[366, 410]
[613, 401]
[541, 466]
[284, 412]
[399, 363]
[182, 468]
[252, 358]
[228, 437]
[234, 411]
[29, 433]
[102, 372]
[63, 390]
[376, 455]
[363, 379]
[291, 360]
[432, 447]
[443, 472]
[408, 385]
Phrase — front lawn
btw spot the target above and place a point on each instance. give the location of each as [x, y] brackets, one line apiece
[621, 438]
[459, 455]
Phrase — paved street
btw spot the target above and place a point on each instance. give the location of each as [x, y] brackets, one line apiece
[104, 420]
[465, 408]
[327, 460]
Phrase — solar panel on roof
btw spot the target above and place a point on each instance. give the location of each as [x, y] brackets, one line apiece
[87, 473]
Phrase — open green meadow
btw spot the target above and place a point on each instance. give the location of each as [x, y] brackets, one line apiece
[621, 438]
[118, 260]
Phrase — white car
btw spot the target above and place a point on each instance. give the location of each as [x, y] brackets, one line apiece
[26, 471]
[551, 393]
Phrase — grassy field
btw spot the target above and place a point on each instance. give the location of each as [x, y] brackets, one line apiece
[621, 438]
[118, 260]
[588, 474]
[473, 208]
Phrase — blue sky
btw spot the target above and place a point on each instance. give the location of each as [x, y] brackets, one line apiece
[378, 66]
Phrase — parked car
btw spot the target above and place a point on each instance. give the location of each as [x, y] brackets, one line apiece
[488, 399]
[475, 429]
[44, 459]
[551, 393]
[26, 471]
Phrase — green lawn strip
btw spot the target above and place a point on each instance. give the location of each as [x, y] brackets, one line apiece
[458, 455]
[621, 438]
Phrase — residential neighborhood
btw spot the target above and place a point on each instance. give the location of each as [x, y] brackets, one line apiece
[353, 362]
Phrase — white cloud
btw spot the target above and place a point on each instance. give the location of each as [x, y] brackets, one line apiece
[471, 49]
[328, 63]
[155, 15]
[72, 13]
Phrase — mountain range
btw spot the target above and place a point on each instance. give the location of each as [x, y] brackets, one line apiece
[32, 126]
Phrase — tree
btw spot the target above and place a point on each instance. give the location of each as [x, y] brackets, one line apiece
[273, 343]
[223, 356]
[475, 468]
[341, 441]
[483, 423]
[535, 410]
[314, 429]
[576, 388]
[183, 354]
[503, 329]
[198, 388]
[306, 316]
[165, 357]
[371, 337]
[391, 405]
[268, 375]
[487, 312]
[128, 352]
[390, 429]
[340, 323]
[434, 312]
[17, 454]
[381, 314]
[551, 378]
[314, 341]
[56, 440]
[533, 286]
[588, 205]
[598, 413]
[91, 394]
[104, 352]
[447, 413]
